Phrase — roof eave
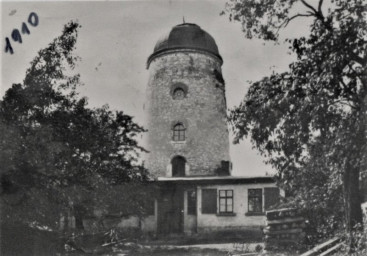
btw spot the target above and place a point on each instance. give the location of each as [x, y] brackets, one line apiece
[216, 180]
[182, 49]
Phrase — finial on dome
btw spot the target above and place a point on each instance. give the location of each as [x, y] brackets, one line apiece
[183, 19]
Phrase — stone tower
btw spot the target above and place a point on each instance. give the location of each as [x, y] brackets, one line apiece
[186, 106]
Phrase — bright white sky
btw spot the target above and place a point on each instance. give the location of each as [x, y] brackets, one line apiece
[116, 39]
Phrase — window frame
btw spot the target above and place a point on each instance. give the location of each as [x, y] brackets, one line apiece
[179, 134]
[249, 197]
[225, 196]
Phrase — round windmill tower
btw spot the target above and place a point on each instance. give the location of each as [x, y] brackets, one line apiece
[186, 106]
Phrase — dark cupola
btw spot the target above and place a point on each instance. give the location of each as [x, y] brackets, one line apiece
[186, 36]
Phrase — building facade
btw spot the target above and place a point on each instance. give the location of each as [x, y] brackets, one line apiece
[188, 142]
[186, 106]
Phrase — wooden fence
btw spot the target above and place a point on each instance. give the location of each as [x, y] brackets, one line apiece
[327, 248]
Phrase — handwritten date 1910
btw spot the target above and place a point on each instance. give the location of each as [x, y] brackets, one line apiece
[16, 35]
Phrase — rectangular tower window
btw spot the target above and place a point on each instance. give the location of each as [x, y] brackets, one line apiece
[226, 201]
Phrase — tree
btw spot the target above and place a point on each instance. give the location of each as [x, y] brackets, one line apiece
[310, 122]
[56, 153]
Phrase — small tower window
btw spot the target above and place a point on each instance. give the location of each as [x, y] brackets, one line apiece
[178, 93]
[179, 132]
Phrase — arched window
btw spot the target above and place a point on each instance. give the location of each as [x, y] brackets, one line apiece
[179, 132]
[178, 93]
[178, 166]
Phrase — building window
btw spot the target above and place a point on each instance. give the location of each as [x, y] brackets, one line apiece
[209, 201]
[178, 93]
[191, 202]
[179, 132]
[255, 201]
[225, 201]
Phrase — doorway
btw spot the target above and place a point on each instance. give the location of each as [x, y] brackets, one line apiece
[178, 166]
[171, 210]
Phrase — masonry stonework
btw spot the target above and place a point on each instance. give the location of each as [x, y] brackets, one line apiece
[202, 111]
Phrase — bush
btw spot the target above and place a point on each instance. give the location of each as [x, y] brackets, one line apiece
[19, 239]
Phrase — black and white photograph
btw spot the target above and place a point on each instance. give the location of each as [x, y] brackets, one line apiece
[183, 127]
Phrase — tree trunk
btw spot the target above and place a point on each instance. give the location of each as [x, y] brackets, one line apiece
[352, 196]
[353, 210]
[351, 183]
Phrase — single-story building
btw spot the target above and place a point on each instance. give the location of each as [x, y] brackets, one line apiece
[196, 205]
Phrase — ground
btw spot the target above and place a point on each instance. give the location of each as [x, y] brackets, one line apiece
[38, 242]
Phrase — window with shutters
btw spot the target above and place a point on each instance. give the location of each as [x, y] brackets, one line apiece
[209, 201]
[191, 202]
[225, 201]
[255, 202]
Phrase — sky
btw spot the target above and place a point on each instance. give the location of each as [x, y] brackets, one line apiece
[116, 39]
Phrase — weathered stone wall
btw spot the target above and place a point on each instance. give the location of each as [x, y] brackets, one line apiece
[202, 111]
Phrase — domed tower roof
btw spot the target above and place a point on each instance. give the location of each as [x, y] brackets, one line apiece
[186, 36]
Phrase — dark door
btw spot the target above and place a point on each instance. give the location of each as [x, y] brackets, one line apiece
[178, 166]
[170, 211]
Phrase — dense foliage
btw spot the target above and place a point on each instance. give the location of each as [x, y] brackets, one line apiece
[58, 155]
[310, 122]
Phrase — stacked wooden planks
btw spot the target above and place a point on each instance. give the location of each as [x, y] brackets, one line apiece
[284, 229]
